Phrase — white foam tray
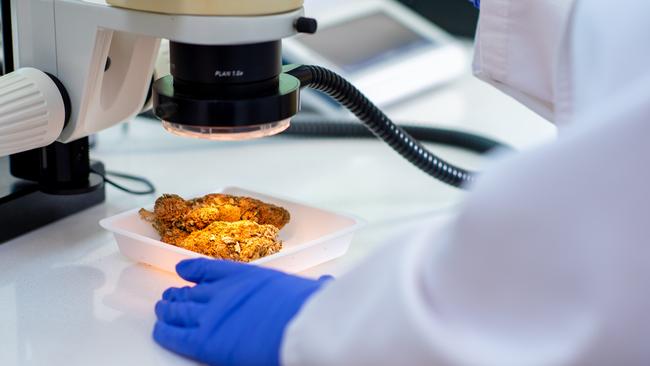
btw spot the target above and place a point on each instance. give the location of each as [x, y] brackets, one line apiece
[312, 237]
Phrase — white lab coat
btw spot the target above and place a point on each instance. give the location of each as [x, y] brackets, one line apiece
[549, 261]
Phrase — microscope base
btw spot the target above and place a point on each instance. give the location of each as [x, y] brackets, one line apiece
[24, 208]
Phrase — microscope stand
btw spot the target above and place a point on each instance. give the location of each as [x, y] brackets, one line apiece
[24, 207]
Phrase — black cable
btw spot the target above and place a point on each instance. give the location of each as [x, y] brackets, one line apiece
[341, 90]
[150, 187]
[345, 93]
[319, 127]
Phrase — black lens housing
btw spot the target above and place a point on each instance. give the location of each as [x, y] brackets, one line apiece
[223, 65]
[226, 86]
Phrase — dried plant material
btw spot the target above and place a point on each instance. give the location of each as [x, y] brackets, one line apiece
[169, 209]
[191, 223]
[169, 233]
[243, 241]
[248, 209]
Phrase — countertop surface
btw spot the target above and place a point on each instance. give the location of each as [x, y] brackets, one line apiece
[68, 297]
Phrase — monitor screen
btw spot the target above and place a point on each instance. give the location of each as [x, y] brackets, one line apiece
[358, 43]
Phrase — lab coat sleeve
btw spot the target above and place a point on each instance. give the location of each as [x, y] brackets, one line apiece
[546, 265]
[521, 50]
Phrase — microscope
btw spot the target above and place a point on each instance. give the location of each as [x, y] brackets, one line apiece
[76, 67]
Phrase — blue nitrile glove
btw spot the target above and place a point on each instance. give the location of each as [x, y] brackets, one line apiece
[235, 315]
[477, 3]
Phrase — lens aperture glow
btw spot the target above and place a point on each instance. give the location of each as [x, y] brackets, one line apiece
[239, 133]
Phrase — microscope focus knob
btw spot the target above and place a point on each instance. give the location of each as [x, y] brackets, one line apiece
[306, 25]
[34, 108]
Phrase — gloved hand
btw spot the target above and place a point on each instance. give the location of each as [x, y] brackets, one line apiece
[235, 315]
[477, 3]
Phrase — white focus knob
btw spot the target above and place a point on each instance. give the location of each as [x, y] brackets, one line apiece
[32, 111]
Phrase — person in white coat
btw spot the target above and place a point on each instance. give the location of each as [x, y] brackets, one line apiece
[547, 263]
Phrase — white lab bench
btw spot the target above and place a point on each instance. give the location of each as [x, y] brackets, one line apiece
[67, 296]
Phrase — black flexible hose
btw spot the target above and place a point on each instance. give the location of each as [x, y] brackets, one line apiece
[320, 127]
[350, 97]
